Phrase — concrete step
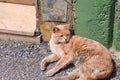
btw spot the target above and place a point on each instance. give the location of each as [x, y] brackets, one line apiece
[17, 19]
[19, 38]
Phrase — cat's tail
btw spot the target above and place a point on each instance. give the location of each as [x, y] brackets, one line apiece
[101, 75]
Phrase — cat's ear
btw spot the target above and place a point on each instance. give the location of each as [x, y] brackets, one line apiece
[55, 29]
[67, 26]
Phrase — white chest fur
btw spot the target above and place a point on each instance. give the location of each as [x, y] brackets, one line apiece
[56, 48]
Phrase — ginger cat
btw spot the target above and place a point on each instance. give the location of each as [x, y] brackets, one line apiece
[92, 60]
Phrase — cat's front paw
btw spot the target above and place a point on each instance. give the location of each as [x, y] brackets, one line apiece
[56, 79]
[42, 65]
[50, 73]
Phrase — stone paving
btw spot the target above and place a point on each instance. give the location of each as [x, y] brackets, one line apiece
[20, 61]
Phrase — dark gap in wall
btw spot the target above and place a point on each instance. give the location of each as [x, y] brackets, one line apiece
[111, 23]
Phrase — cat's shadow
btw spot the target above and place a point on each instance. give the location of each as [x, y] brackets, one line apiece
[65, 70]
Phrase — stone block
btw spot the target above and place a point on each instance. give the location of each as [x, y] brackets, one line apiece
[54, 10]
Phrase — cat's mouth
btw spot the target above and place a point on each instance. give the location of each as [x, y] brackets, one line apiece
[64, 42]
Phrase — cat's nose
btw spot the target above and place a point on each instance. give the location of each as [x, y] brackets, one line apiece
[65, 38]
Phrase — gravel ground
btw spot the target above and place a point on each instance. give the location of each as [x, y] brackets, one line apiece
[20, 61]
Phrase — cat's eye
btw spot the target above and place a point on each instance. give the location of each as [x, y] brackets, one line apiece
[61, 35]
[67, 34]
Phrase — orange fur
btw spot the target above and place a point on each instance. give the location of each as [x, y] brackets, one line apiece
[92, 60]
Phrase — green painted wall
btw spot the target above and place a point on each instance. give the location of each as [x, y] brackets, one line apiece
[92, 19]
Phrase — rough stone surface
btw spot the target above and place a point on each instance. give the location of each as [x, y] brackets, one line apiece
[53, 10]
[20, 61]
[92, 19]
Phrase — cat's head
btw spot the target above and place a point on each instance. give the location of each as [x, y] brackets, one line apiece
[61, 34]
